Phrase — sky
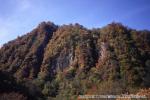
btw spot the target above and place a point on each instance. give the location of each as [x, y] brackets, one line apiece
[18, 17]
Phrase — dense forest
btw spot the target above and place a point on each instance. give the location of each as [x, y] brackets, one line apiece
[55, 62]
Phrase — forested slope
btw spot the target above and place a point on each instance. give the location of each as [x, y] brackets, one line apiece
[65, 61]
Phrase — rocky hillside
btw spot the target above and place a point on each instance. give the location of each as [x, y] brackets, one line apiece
[69, 60]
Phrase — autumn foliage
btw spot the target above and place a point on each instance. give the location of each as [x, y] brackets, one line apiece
[53, 62]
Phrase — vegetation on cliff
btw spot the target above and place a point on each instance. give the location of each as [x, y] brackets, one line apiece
[62, 62]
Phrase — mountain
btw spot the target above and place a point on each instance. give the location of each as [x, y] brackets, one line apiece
[60, 62]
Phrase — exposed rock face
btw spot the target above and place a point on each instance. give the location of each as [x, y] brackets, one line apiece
[113, 50]
[104, 54]
[70, 46]
[104, 47]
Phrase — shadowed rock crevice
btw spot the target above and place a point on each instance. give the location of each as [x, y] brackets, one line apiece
[72, 60]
